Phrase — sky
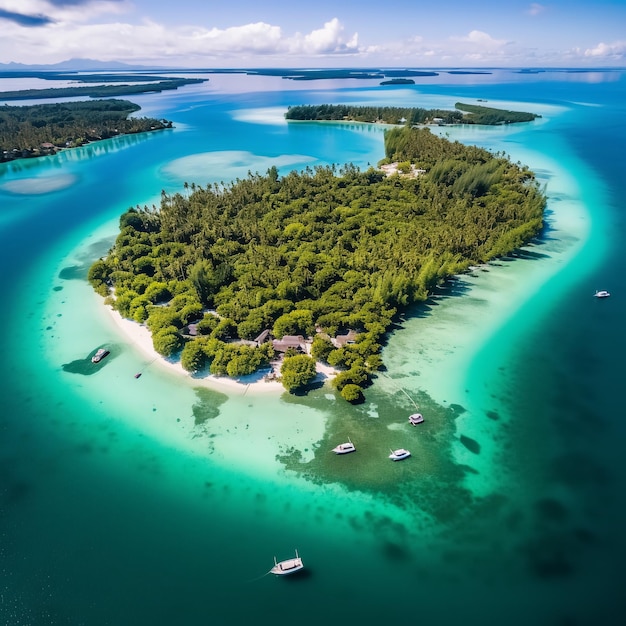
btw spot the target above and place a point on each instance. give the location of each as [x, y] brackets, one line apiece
[318, 33]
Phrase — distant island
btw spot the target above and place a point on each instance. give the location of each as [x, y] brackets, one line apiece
[464, 114]
[44, 129]
[323, 74]
[149, 84]
[314, 266]
[398, 81]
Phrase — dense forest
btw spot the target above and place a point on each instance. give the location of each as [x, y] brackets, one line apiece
[41, 129]
[475, 114]
[398, 81]
[314, 253]
[478, 114]
[380, 114]
[102, 91]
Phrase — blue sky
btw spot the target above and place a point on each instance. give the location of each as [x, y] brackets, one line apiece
[318, 33]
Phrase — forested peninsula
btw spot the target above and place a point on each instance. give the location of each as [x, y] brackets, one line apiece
[146, 84]
[43, 129]
[464, 114]
[332, 254]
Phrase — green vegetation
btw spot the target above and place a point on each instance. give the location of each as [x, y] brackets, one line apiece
[386, 115]
[397, 115]
[325, 249]
[151, 84]
[485, 115]
[297, 371]
[29, 131]
[398, 81]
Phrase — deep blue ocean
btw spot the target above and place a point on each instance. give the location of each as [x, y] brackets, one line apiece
[157, 501]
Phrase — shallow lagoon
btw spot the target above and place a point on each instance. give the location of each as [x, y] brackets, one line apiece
[151, 501]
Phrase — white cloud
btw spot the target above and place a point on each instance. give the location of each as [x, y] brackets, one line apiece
[326, 40]
[481, 40]
[97, 29]
[258, 38]
[477, 49]
[612, 50]
[154, 42]
[535, 9]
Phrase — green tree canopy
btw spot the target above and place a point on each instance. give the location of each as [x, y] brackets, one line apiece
[297, 371]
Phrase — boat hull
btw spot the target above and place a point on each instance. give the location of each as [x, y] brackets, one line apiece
[399, 455]
[285, 568]
[416, 418]
[98, 356]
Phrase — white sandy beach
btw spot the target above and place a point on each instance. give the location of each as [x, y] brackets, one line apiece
[139, 336]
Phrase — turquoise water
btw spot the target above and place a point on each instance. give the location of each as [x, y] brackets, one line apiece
[155, 501]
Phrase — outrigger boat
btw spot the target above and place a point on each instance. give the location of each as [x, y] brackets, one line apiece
[289, 566]
[344, 448]
[416, 418]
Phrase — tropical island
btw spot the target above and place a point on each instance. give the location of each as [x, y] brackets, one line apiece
[463, 114]
[141, 83]
[44, 129]
[315, 265]
[398, 81]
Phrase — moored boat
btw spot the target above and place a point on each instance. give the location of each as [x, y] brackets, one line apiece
[99, 355]
[399, 454]
[602, 294]
[344, 448]
[289, 566]
[416, 418]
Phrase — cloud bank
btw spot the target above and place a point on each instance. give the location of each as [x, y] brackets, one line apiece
[33, 31]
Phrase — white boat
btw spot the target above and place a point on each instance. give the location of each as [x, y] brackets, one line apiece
[399, 454]
[602, 294]
[416, 418]
[99, 355]
[289, 566]
[344, 448]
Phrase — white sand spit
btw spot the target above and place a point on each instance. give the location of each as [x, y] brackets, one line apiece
[139, 336]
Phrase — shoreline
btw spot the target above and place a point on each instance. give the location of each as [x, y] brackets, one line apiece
[139, 337]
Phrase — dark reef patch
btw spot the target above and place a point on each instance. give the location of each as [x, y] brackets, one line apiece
[471, 444]
[207, 406]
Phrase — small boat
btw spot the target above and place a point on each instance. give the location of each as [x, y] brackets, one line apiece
[416, 418]
[138, 375]
[344, 448]
[289, 566]
[399, 454]
[601, 294]
[99, 355]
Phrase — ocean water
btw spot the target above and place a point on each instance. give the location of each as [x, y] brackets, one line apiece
[156, 501]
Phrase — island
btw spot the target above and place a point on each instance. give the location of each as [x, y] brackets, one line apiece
[463, 114]
[325, 74]
[143, 83]
[315, 265]
[44, 129]
[398, 81]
